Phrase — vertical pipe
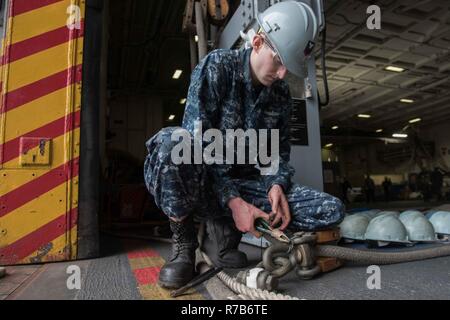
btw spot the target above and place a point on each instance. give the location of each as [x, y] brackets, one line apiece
[89, 185]
[104, 84]
[213, 34]
[202, 48]
[193, 50]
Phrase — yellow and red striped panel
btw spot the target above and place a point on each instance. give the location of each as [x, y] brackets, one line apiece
[146, 264]
[41, 72]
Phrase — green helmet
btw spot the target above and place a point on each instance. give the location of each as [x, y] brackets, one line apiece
[418, 227]
[291, 27]
[386, 228]
[354, 227]
[441, 222]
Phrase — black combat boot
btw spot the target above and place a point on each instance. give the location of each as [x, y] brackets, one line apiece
[180, 269]
[223, 241]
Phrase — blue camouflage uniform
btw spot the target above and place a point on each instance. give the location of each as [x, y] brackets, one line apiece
[221, 95]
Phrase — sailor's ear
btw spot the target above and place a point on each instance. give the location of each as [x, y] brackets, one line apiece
[257, 42]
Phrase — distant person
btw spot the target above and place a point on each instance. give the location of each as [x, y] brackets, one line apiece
[369, 188]
[424, 184]
[437, 178]
[345, 187]
[413, 183]
[387, 184]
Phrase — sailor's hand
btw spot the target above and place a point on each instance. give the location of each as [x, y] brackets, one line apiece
[280, 207]
[245, 214]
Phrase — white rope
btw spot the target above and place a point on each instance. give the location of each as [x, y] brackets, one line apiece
[247, 293]
[244, 292]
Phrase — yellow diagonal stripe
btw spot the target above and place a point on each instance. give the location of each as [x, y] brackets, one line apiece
[18, 121]
[21, 177]
[146, 262]
[41, 65]
[33, 215]
[73, 152]
[59, 248]
[155, 292]
[42, 20]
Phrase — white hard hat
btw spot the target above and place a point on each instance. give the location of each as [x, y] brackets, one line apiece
[370, 214]
[441, 222]
[418, 227]
[291, 27]
[411, 213]
[387, 228]
[387, 213]
[354, 227]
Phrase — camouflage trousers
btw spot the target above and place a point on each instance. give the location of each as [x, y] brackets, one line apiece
[185, 189]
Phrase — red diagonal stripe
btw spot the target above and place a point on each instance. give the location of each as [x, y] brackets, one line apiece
[11, 149]
[41, 42]
[25, 246]
[146, 253]
[42, 88]
[22, 6]
[35, 188]
[147, 275]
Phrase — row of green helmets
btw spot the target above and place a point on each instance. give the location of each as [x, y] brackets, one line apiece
[391, 227]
